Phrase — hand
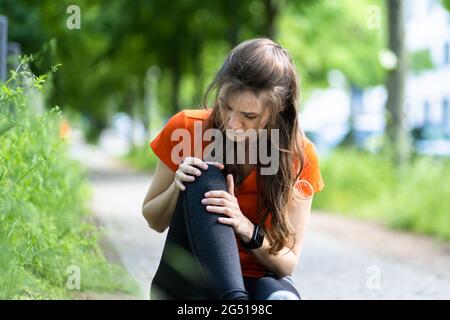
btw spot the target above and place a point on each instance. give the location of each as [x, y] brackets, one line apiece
[219, 201]
[187, 170]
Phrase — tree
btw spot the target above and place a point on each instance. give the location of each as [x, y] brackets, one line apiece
[326, 35]
[446, 4]
[105, 64]
[396, 122]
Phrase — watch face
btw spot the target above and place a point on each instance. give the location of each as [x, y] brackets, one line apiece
[259, 237]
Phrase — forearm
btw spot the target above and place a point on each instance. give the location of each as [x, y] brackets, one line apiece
[285, 262]
[159, 211]
[282, 264]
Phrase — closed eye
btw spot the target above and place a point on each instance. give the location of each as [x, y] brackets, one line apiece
[246, 115]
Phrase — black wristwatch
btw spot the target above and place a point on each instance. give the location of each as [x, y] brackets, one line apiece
[256, 240]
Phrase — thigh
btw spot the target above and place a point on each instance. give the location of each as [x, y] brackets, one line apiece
[272, 287]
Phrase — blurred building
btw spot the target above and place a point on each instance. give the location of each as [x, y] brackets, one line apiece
[326, 117]
[428, 91]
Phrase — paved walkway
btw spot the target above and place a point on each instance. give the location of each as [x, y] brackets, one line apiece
[342, 258]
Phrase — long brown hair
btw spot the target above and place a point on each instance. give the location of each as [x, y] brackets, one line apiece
[265, 68]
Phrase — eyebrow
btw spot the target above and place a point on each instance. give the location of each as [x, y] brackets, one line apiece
[244, 113]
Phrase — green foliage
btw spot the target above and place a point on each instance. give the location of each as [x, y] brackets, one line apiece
[420, 60]
[105, 63]
[327, 35]
[142, 157]
[446, 4]
[368, 186]
[44, 227]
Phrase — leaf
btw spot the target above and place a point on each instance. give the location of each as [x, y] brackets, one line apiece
[6, 128]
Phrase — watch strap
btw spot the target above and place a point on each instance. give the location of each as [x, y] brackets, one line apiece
[257, 238]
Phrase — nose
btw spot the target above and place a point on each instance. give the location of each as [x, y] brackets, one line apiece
[234, 122]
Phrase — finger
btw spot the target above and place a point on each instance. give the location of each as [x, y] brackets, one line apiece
[224, 210]
[184, 177]
[219, 165]
[219, 194]
[180, 185]
[195, 161]
[230, 184]
[228, 221]
[185, 168]
[218, 202]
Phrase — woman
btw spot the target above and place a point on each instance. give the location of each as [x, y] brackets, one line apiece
[235, 233]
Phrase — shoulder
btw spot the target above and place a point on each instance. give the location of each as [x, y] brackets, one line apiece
[200, 114]
[163, 144]
[310, 152]
[307, 149]
[185, 118]
[311, 169]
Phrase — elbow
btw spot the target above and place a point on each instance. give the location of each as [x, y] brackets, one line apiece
[154, 225]
[284, 272]
[286, 269]
[158, 229]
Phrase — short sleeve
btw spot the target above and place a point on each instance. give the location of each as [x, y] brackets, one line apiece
[311, 170]
[162, 145]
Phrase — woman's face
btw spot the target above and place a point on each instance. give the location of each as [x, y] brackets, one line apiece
[242, 111]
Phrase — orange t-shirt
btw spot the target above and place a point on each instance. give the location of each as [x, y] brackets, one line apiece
[246, 193]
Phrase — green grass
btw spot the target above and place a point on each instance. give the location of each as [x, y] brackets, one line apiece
[368, 186]
[44, 221]
[142, 158]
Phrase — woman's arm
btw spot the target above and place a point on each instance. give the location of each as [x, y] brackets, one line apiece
[161, 198]
[285, 262]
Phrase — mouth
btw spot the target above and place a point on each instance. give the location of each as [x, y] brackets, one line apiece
[235, 131]
[235, 134]
[235, 137]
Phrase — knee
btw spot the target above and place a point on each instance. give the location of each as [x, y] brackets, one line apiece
[268, 288]
[283, 295]
[210, 178]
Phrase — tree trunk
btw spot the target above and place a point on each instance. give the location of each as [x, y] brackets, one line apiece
[176, 79]
[350, 138]
[131, 104]
[271, 9]
[397, 123]
[151, 96]
[232, 8]
[198, 72]
[3, 47]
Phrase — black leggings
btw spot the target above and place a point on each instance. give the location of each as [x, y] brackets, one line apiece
[200, 258]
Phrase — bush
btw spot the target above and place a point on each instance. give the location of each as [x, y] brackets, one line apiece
[44, 229]
[368, 186]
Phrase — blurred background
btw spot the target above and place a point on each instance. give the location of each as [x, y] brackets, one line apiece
[86, 85]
